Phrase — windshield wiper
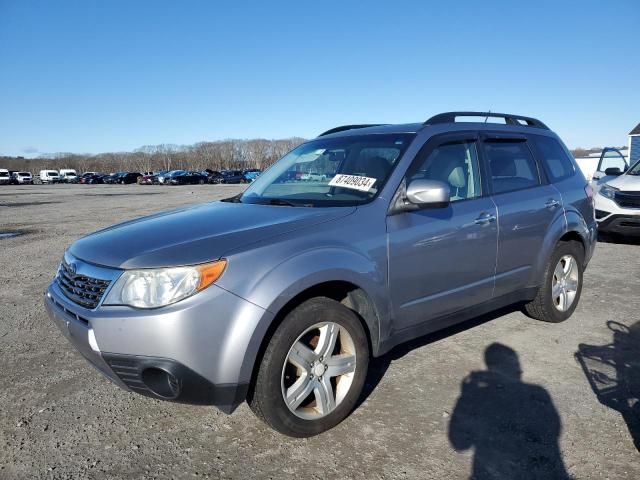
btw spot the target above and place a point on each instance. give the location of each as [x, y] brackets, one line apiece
[282, 202]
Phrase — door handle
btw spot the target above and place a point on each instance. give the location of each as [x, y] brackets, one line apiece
[485, 219]
[552, 203]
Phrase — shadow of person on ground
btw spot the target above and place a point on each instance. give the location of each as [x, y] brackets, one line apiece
[613, 371]
[512, 426]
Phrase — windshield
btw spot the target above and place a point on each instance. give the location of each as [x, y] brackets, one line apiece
[341, 171]
[635, 170]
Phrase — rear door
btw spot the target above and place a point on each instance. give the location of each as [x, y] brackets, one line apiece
[442, 260]
[527, 205]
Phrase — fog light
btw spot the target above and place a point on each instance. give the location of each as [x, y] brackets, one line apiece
[162, 383]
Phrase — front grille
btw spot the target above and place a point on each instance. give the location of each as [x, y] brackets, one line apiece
[83, 290]
[628, 199]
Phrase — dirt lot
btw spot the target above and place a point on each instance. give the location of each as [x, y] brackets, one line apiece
[60, 419]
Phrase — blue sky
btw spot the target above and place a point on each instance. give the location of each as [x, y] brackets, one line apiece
[93, 76]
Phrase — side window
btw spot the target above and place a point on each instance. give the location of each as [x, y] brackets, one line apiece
[549, 150]
[511, 165]
[455, 163]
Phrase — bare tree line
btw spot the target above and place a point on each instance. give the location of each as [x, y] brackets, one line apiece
[219, 155]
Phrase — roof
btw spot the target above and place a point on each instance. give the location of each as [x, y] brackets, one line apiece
[635, 131]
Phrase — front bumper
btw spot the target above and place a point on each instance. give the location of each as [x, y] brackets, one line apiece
[204, 346]
[620, 224]
[612, 218]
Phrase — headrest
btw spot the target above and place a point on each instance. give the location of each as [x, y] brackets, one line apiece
[456, 178]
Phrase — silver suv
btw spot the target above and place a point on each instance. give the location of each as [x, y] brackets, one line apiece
[281, 295]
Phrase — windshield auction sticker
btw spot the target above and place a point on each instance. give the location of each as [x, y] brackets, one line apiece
[355, 182]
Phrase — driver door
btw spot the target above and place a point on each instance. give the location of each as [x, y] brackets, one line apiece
[610, 158]
[442, 260]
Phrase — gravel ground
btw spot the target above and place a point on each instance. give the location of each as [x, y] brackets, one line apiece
[433, 408]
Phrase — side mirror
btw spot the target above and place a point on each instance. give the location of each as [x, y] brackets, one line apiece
[613, 171]
[428, 193]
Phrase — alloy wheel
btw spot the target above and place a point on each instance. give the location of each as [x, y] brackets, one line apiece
[564, 284]
[318, 371]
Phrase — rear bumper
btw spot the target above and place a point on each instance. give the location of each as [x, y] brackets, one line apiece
[203, 349]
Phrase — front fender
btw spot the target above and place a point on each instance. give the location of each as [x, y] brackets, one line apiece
[274, 288]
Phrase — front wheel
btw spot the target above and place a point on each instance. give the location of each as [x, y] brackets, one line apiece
[313, 369]
[560, 291]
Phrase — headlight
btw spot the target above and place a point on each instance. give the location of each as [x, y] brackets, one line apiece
[152, 288]
[608, 191]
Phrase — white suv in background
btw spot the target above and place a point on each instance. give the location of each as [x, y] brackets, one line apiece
[4, 176]
[49, 176]
[68, 175]
[23, 177]
[617, 200]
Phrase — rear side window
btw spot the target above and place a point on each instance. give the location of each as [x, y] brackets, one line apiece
[511, 165]
[554, 157]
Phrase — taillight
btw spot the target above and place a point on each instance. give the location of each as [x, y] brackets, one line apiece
[589, 191]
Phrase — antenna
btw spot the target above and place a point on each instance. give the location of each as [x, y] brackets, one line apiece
[487, 117]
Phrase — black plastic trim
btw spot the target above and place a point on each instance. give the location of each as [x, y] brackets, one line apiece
[192, 388]
[616, 224]
[349, 127]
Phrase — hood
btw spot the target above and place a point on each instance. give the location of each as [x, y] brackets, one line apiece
[195, 234]
[625, 183]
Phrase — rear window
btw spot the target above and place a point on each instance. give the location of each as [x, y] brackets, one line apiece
[553, 156]
[512, 166]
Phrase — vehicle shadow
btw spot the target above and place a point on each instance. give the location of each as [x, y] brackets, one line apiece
[613, 371]
[379, 366]
[512, 426]
[618, 239]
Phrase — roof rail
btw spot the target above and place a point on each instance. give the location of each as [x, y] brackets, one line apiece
[450, 117]
[349, 127]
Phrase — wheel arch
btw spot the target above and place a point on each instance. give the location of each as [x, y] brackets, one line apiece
[348, 293]
[572, 227]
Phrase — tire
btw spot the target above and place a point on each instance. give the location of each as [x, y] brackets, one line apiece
[547, 305]
[201, 182]
[277, 375]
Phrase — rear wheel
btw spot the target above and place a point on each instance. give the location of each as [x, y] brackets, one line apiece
[560, 291]
[313, 369]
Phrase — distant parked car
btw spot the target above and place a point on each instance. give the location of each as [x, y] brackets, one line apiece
[313, 177]
[188, 178]
[96, 178]
[49, 176]
[214, 176]
[111, 178]
[5, 178]
[68, 175]
[232, 176]
[123, 178]
[250, 174]
[147, 179]
[163, 177]
[22, 178]
[83, 178]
